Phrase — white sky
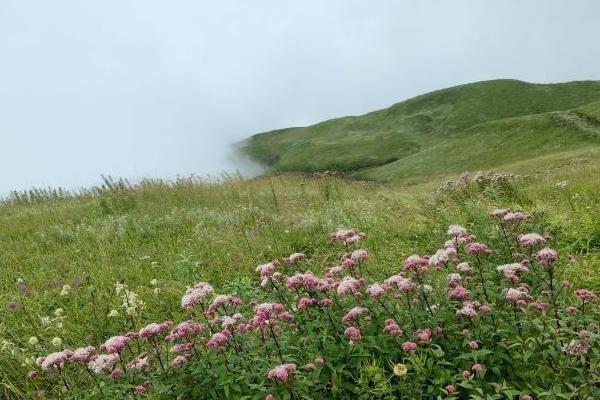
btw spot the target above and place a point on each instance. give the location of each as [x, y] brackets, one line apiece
[160, 88]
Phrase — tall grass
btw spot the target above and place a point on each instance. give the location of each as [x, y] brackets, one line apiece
[190, 230]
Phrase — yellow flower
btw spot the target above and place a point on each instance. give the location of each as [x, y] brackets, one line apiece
[154, 282]
[56, 342]
[33, 341]
[59, 312]
[113, 313]
[400, 369]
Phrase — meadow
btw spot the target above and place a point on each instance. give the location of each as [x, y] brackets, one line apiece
[78, 269]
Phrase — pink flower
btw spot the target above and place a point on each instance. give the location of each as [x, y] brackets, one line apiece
[154, 329]
[309, 366]
[499, 213]
[409, 346]
[441, 257]
[423, 335]
[530, 239]
[392, 328]
[467, 311]
[457, 230]
[416, 263]
[464, 266]
[347, 285]
[140, 362]
[115, 344]
[576, 348]
[308, 281]
[294, 258]
[306, 302]
[546, 256]
[319, 361]
[517, 296]
[269, 312]
[526, 397]
[82, 354]
[140, 389]
[103, 362]
[377, 290]
[179, 360]
[31, 375]
[282, 372]
[185, 329]
[477, 368]
[221, 301]
[56, 359]
[478, 248]
[353, 334]
[473, 345]
[359, 255]
[450, 389]
[117, 373]
[219, 340]
[453, 279]
[584, 294]
[512, 269]
[266, 270]
[354, 314]
[404, 285]
[181, 348]
[347, 264]
[515, 217]
[459, 293]
[196, 295]
[326, 302]
[466, 374]
[485, 310]
[270, 397]
[571, 310]
[348, 236]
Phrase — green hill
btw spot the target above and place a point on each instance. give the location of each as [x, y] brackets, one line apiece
[481, 125]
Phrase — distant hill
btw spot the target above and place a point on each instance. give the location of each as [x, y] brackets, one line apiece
[483, 125]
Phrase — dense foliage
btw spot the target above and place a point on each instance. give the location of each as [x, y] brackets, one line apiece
[482, 317]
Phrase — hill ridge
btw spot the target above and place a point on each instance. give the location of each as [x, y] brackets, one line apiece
[358, 145]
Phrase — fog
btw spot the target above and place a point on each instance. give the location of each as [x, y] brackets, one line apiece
[159, 89]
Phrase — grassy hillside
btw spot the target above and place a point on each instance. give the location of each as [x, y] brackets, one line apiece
[466, 123]
[191, 231]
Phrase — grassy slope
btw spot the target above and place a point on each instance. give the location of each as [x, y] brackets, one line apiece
[188, 232]
[433, 124]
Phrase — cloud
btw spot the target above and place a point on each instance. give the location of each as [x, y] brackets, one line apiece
[148, 88]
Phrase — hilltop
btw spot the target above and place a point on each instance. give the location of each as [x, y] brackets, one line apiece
[507, 124]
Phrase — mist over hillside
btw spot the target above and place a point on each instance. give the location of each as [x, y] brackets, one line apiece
[482, 125]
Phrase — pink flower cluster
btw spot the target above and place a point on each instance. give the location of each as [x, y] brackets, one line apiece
[348, 285]
[185, 329]
[531, 239]
[115, 344]
[347, 236]
[585, 295]
[352, 315]
[281, 373]
[546, 256]
[154, 329]
[196, 295]
[353, 333]
[519, 296]
[392, 328]
[294, 258]
[221, 301]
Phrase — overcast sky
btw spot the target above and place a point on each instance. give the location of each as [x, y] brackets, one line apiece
[160, 88]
